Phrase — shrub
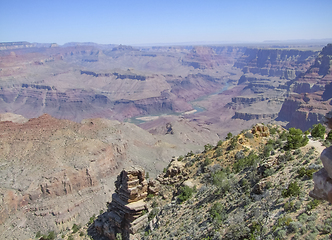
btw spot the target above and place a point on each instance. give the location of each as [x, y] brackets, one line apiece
[239, 155]
[312, 204]
[267, 150]
[180, 158]
[207, 161]
[221, 181]
[250, 160]
[218, 152]
[207, 147]
[229, 135]
[283, 136]
[92, 219]
[295, 139]
[153, 213]
[273, 131]
[75, 228]
[286, 157]
[220, 142]
[306, 172]
[38, 234]
[249, 135]
[289, 206]
[218, 213]
[292, 190]
[186, 193]
[318, 131]
[329, 136]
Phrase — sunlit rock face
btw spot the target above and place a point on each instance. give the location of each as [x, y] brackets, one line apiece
[125, 214]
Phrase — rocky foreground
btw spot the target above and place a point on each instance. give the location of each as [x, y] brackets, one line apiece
[251, 186]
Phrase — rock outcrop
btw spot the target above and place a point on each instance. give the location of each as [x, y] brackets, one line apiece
[128, 211]
[175, 173]
[323, 178]
[260, 130]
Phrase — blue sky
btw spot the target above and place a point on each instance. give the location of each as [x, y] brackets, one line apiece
[145, 21]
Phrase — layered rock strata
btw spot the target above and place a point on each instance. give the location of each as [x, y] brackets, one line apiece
[126, 212]
[310, 95]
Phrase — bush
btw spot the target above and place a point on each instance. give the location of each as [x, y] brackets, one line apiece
[92, 219]
[207, 161]
[75, 228]
[312, 204]
[153, 213]
[295, 139]
[292, 190]
[273, 131]
[318, 131]
[218, 213]
[245, 162]
[186, 193]
[220, 142]
[229, 135]
[249, 135]
[306, 172]
[221, 181]
[218, 152]
[329, 136]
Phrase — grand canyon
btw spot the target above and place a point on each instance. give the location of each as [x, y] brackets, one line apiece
[73, 116]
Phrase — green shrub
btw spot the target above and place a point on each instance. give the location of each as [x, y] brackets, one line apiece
[207, 147]
[273, 131]
[153, 213]
[218, 213]
[289, 206]
[306, 172]
[220, 142]
[295, 139]
[186, 193]
[329, 136]
[229, 135]
[245, 162]
[38, 234]
[312, 204]
[180, 158]
[75, 228]
[92, 219]
[207, 161]
[318, 131]
[218, 152]
[292, 190]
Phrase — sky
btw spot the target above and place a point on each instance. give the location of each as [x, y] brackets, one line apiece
[135, 22]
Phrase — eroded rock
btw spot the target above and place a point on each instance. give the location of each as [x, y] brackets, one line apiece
[260, 130]
[126, 213]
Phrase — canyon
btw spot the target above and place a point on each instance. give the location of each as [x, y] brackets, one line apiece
[73, 116]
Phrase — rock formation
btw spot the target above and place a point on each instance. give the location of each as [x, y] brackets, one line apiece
[260, 130]
[323, 178]
[310, 94]
[127, 211]
[175, 173]
[275, 62]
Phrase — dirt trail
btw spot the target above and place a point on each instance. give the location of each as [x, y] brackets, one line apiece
[317, 144]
